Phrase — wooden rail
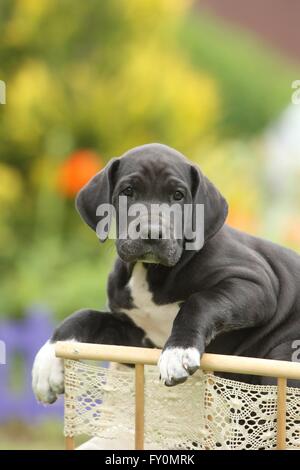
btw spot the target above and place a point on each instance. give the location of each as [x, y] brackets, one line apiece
[282, 370]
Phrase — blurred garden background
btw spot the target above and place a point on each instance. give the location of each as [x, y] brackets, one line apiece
[85, 81]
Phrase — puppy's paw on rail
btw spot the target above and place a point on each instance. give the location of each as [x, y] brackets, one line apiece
[176, 364]
[47, 374]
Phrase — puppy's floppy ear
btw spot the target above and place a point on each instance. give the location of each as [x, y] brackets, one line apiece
[215, 206]
[97, 191]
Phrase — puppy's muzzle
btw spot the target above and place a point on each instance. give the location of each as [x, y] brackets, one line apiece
[152, 245]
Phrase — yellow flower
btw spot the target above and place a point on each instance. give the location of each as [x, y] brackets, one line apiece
[33, 101]
[10, 187]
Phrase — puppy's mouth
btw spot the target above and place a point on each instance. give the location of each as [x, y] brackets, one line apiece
[150, 258]
[165, 253]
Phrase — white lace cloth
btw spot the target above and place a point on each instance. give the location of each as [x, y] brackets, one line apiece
[206, 412]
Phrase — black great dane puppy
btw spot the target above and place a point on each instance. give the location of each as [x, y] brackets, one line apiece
[237, 295]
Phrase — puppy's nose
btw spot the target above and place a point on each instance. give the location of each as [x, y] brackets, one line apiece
[152, 232]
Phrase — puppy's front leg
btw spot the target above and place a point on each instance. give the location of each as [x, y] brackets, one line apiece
[233, 304]
[88, 326]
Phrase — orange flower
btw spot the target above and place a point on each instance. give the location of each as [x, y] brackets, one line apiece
[242, 220]
[291, 233]
[77, 170]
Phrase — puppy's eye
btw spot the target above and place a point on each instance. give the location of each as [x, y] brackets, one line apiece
[127, 191]
[178, 195]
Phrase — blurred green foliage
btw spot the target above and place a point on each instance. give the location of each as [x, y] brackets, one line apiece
[254, 83]
[109, 76]
[103, 74]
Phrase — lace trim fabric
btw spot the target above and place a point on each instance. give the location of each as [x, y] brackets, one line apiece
[206, 412]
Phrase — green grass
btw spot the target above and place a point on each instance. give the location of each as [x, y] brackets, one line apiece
[20, 436]
[47, 435]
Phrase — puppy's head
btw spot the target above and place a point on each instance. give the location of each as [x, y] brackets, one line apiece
[149, 189]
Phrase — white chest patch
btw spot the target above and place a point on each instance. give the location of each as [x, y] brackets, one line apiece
[156, 320]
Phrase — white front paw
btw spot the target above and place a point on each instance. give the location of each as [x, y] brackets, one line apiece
[176, 364]
[47, 374]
